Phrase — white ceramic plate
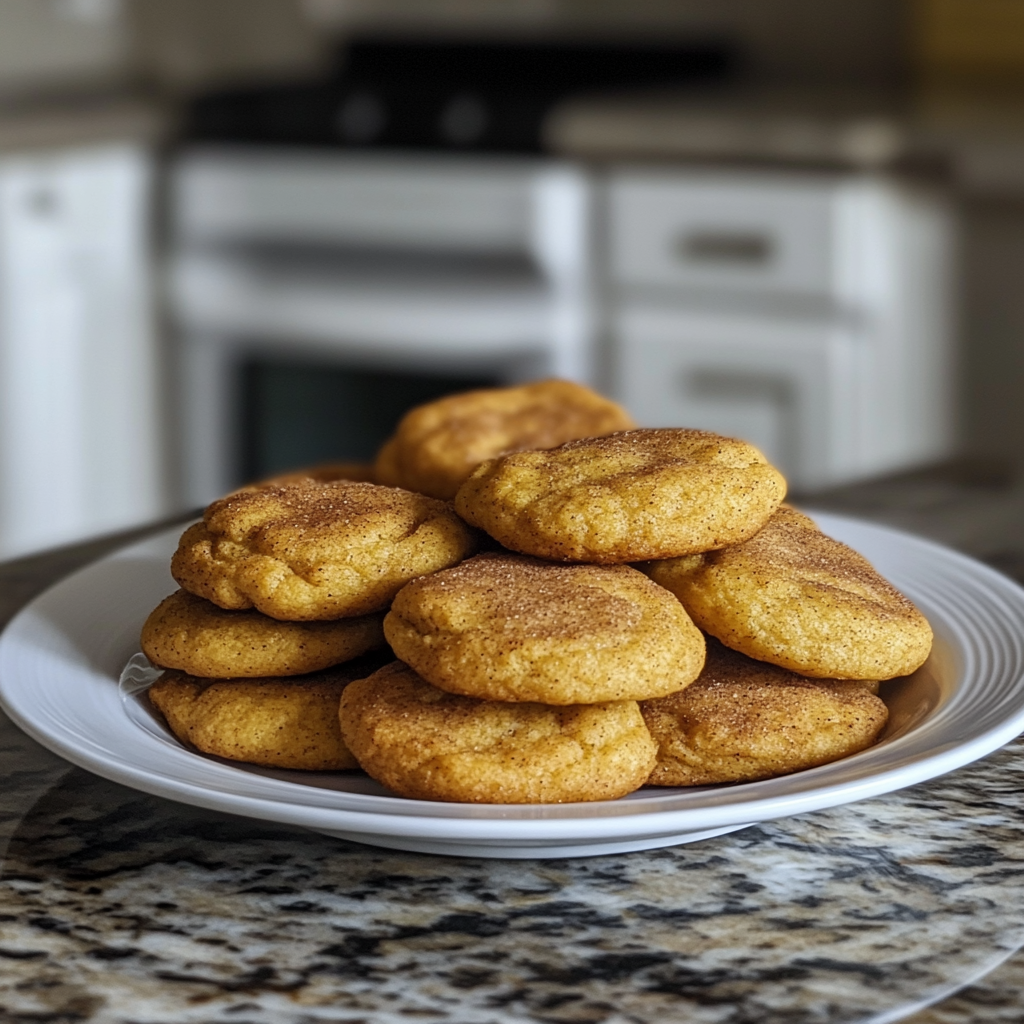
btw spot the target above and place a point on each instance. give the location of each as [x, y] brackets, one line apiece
[60, 659]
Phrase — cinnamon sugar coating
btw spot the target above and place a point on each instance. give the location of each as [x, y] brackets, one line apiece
[280, 723]
[315, 551]
[634, 495]
[437, 445]
[744, 720]
[799, 599]
[426, 744]
[193, 635]
[510, 628]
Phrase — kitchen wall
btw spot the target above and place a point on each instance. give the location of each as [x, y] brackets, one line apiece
[49, 47]
[63, 49]
[53, 45]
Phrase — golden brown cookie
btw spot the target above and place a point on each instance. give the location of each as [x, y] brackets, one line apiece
[794, 597]
[189, 633]
[436, 446]
[635, 495]
[280, 723]
[317, 551]
[511, 628]
[324, 472]
[744, 720]
[430, 745]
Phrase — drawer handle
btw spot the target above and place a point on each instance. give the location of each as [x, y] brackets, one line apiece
[740, 248]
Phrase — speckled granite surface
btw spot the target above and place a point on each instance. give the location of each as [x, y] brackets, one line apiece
[116, 906]
[119, 907]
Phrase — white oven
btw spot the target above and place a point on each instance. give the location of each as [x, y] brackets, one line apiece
[470, 269]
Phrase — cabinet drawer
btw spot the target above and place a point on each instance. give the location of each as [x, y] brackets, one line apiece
[792, 388]
[758, 233]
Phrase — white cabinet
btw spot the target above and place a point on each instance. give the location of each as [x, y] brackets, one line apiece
[809, 314]
[745, 376]
[722, 232]
[80, 451]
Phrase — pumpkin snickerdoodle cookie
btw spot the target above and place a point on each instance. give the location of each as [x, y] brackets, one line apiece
[510, 628]
[193, 635]
[319, 550]
[276, 722]
[634, 495]
[744, 720]
[799, 599]
[436, 446]
[426, 744]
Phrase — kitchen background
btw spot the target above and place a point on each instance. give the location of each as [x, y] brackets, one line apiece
[242, 235]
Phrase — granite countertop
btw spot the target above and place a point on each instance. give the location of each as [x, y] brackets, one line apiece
[846, 127]
[974, 141]
[82, 121]
[120, 907]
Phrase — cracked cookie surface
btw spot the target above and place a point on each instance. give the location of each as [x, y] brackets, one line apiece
[744, 720]
[193, 635]
[630, 496]
[275, 722]
[438, 445]
[313, 551]
[512, 628]
[797, 598]
[426, 744]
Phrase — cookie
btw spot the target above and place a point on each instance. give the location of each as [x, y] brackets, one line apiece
[436, 446]
[317, 551]
[279, 723]
[511, 628]
[192, 635]
[635, 495]
[426, 744]
[799, 599]
[324, 472]
[744, 720]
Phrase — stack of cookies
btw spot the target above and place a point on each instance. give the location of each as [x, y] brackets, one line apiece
[645, 610]
[277, 583]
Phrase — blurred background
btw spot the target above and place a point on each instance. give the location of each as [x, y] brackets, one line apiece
[239, 236]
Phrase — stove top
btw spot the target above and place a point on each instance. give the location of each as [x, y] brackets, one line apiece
[449, 95]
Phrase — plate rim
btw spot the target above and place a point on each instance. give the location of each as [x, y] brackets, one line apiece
[505, 826]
